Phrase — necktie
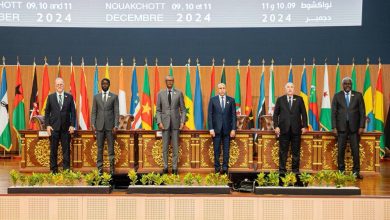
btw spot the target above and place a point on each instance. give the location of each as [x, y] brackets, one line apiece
[290, 102]
[347, 101]
[222, 103]
[60, 101]
[104, 97]
[347, 98]
[169, 97]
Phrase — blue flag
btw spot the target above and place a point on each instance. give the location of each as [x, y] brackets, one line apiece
[135, 105]
[96, 81]
[198, 107]
[261, 104]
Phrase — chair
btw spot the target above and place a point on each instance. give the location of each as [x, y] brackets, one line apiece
[125, 122]
[266, 122]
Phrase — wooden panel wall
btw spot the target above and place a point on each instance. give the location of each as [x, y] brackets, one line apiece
[281, 77]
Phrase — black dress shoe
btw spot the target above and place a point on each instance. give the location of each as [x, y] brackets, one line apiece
[217, 171]
[165, 171]
[224, 171]
[174, 171]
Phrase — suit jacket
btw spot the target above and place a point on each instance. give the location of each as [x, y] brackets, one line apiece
[222, 121]
[284, 117]
[60, 118]
[356, 112]
[170, 115]
[105, 115]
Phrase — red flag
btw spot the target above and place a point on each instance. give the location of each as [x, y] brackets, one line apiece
[212, 89]
[72, 89]
[146, 102]
[156, 90]
[84, 119]
[45, 87]
[248, 98]
[34, 101]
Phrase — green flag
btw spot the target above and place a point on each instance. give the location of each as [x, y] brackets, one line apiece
[237, 94]
[325, 117]
[338, 80]
[223, 76]
[353, 77]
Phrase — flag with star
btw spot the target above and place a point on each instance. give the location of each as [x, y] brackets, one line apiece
[135, 105]
[188, 101]
[146, 102]
[313, 107]
[325, 117]
[18, 119]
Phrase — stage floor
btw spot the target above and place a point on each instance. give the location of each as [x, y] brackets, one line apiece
[371, 185]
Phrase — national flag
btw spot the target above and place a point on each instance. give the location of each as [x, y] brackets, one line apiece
[248, 98]
[212, 87]
[188, 101]
[353, 76]
[122, 93]
[5, 132]
[135, 104]
[171, 69]
[378, 111]
[237, 94]
[212, 80]
[290, 74]
[325, 117]
[367, 96]
[72, 90]
[156, 90]
[34, 101]
[146, 102]
[198, 102]
[303, 92]
[18, 120]
[338, 79]
[107, 73]
[45, 87]
[223, 74]
[96, 80]
[313, 108]
[59, 72]
[261, 105]
[84, 117]
[271, 90]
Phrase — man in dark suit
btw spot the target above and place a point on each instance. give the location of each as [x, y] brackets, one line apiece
[348, 122]
[171, 116]
[59, 120]
[105, 120]
[290, 121]
[222, 124]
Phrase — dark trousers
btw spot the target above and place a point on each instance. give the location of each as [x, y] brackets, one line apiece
[353, 137]
[225, 139]
[55, 138]
[100, 136]
[284, 142]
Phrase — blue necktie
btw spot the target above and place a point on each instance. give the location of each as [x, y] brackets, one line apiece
[347, 99]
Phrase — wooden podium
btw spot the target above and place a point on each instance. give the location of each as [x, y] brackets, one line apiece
[142, 150]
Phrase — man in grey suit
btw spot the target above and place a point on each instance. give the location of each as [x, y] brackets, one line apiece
[171, 116]
[105, 120]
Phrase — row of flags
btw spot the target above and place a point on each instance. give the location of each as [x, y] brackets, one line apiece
[144, 110]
